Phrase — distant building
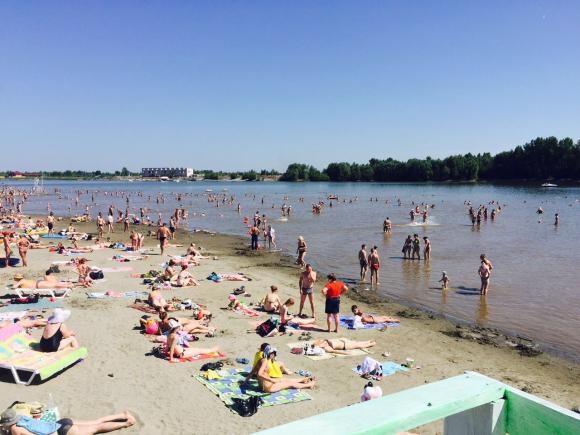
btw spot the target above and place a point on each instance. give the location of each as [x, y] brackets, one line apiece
[167, 172]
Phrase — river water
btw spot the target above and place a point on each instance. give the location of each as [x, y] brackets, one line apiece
[534, 290]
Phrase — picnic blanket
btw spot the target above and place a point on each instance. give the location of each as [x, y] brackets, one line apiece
[347, 321]
[112, 295]
[327, 355]
[231, 385]
[389, 368]
[42, 304]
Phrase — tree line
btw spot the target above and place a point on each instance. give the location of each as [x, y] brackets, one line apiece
[541, 158]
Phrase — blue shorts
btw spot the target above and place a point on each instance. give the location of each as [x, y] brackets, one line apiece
[306, 291]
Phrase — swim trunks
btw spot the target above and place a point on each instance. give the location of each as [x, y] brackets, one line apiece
[332, 306]
[306, 291]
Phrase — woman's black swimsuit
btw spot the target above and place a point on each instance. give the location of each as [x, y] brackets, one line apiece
[51, 344]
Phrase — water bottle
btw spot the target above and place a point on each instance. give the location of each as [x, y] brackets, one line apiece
[51, 406]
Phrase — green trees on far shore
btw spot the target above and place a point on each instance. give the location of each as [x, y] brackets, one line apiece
[542, 158]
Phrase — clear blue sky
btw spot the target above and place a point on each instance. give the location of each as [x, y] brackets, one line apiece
[259, 84]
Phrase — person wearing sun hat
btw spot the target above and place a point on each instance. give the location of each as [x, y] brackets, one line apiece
[271, 384]
[56, 335]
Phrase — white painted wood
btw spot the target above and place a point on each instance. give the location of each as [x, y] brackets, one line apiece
[487, 419]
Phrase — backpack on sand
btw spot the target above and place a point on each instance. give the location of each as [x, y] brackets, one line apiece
[246, 407]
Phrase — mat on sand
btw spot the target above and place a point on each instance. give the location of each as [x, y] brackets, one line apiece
[42, 304]
[352, 352]
[347, 321]
[389, 368]
[231, 385]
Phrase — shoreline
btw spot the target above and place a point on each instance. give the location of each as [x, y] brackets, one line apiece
[118, 374]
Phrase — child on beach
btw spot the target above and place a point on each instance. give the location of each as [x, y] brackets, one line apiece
[444, 280]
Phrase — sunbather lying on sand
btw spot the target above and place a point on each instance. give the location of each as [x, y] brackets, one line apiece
[176, 347]
[15, 424]
[49, 281]
[269, 384]
[339, 345]
[372, 318]
[26, 322]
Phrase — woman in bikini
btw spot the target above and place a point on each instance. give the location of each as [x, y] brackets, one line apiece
[176, 345]
[339, 345]
[301, 251]
[269, 384]
[83, 271]
[272, 301]
[23, 244]
[56, 336]
[371, 318]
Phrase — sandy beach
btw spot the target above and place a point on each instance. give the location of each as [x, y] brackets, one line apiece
[118, 373]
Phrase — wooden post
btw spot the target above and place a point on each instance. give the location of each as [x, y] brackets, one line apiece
[487, 419]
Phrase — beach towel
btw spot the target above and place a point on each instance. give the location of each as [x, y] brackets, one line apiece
[388, 368]
[347, 322]
[231, 385]
[42, 304]
[144, 307]
[112, 294]
[352, 352]
[246, 311]
[199, 357]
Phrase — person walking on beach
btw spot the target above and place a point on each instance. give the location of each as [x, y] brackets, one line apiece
[254, 233]
[100, 224]
[301, 251]
[333, 290]
[363, 261]
[306, 285]
[50, 224]
[110, 228]
[163, 235]
[23, 245]
[375, 264]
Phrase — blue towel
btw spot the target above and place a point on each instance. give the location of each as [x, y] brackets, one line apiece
[347, 321]
[389, 368]
[42, 304]
[38, 427]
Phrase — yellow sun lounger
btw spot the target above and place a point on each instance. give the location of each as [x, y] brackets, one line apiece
[19, 355]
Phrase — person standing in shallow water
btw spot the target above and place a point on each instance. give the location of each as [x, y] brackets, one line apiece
[416, 246]
[301, 251]
[556, 219]
[363, 261]
[375, 264]
[426, 248]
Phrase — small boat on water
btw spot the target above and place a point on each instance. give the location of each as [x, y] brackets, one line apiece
[549, 185]
[332, 197]
[164, 179]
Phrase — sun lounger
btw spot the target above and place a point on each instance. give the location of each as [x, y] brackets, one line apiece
[57, 293]
[18, 354]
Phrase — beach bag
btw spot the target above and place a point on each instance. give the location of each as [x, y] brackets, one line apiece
[265, 328]
[212, 366]
[246, 407]
[96, 274]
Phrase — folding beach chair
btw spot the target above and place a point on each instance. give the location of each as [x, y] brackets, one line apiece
[18, 354]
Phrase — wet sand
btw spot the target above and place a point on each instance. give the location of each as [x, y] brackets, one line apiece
[118, 374]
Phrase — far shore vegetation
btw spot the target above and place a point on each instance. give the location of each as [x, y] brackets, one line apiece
[540, 159]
